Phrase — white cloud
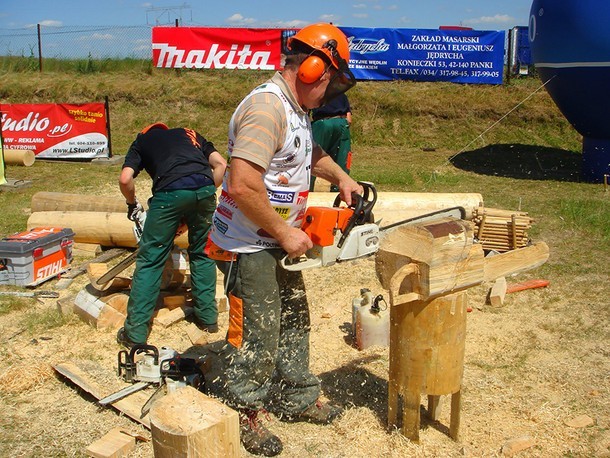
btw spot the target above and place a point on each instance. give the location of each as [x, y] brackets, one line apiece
[497, 19]
[392, 7]
[360, 15]
[238, 19]
[329, 18]
[293, 24]
[359, 6]
[47, 23]
[102, 36]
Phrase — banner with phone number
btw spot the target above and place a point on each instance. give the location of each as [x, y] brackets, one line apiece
[458, 56]
[57, 131]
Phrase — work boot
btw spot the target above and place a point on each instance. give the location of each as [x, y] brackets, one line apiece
[255, 438]
[122, 339]
[211, 328]
[319, 413]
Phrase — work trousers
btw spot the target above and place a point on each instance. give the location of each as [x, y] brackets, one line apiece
[334, 137]
[166, 210]
[266, 356]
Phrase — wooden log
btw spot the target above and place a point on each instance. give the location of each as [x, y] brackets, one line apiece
[392, 207]
[107, 229]
[59, 201]
[25, 157]
[187, 423]
[444, 253]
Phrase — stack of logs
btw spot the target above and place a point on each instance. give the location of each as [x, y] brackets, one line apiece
[502, 230]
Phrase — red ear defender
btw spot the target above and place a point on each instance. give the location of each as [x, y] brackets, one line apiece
[312, 69]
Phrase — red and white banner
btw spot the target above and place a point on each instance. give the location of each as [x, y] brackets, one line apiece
[56, 131]
[203, 47]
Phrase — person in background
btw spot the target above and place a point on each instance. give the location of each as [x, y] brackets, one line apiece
[186, 169]
[331, 130]
[257, 222]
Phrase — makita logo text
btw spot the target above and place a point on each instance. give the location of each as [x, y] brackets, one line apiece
[367, 46]
[172, 57]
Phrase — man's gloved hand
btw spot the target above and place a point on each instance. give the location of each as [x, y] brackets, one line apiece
[133, 210]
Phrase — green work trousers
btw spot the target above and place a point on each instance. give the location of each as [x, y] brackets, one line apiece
[266, 356]
[333, 135]
[166, 210]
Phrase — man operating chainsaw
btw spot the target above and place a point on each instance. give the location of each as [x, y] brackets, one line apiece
[257, 222]
[186, 170]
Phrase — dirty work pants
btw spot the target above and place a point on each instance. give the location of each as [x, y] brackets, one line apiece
[166, 209]
[266, 356]
[333, 136]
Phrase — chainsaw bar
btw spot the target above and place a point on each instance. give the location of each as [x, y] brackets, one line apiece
[120, 267]
[139, 386]
[455, 212]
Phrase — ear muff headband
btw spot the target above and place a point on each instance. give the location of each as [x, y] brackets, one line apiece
[312, 69]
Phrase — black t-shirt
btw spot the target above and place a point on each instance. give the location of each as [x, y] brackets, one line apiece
[168, 155]
[339, 106]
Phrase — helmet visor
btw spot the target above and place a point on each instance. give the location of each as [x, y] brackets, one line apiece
[342, 81]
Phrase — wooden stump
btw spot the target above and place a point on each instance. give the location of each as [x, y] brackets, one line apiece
[427, 341]
[187, 423]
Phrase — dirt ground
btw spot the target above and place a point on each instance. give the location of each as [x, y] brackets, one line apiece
[526, 375]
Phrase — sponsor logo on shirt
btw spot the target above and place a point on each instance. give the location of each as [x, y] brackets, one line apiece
[224, 211]
[281, 197]
[220, 225]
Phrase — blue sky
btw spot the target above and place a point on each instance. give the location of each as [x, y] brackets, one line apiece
[412, 14]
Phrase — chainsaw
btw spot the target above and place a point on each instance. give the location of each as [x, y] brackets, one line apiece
[145, 365]
[138, 228]
[344, 233]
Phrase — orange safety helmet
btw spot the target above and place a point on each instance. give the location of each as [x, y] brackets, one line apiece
[325, 38]
[328, 44]
[156, 125]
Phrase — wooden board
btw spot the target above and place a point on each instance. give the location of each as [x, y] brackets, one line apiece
[130, 405]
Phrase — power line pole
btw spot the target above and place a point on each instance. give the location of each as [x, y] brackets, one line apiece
[171, 13]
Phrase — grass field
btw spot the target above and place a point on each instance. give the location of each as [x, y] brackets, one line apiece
[531, 365]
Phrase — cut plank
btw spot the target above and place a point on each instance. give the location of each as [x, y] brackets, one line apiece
[187, 422]
[515, 261]
[498, 292]
[96, 269]
[114, 444]
[130, 405]
[173, 316]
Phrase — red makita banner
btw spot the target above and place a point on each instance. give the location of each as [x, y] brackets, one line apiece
[56, 131]
[203, 47]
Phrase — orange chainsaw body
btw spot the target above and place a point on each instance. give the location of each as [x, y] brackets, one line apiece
[321, 223]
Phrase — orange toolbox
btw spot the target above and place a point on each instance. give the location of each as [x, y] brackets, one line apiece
[32, 257]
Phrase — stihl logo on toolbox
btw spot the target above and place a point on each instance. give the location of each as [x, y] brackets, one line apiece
[209, 47]
[49, 265]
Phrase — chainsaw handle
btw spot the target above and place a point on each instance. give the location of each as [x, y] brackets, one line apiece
[144, 348]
